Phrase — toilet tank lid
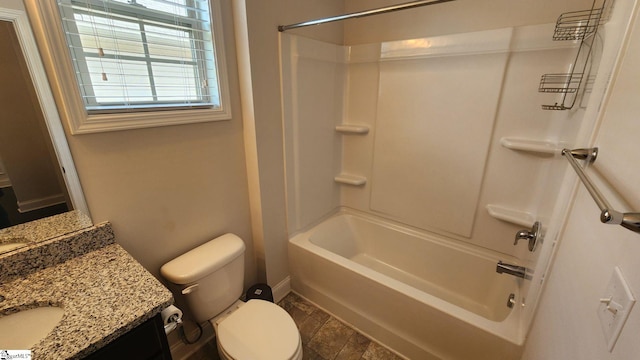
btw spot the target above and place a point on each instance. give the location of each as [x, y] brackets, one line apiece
[203, 260]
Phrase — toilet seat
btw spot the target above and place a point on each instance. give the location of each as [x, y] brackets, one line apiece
[259, 330]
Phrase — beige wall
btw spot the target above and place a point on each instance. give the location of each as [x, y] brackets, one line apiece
[263, 17]
[169, 189]
[12, 4]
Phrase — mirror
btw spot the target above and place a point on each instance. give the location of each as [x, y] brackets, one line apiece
[31, 182]
[38, 180]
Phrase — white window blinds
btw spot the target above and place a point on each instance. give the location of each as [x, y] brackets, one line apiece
[142, 54]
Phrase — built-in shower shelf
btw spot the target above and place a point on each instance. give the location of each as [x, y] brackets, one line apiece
[513, 216]
[529, 145]
[348, 179]
[352, 129]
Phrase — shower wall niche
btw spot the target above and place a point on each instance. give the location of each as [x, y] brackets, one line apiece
[442, 134]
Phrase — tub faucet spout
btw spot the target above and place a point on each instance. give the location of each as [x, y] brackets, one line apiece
[515, 270]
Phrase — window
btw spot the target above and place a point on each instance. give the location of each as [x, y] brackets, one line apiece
[137, 63]
[141, 53]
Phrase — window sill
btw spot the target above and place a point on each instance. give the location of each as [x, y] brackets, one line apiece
[128, 121]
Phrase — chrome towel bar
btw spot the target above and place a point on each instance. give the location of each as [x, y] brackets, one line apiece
[608, 215]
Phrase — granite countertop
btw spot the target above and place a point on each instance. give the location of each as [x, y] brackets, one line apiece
[41, 229]
[103, 291]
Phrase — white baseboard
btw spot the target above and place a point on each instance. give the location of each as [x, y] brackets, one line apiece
[281, 289]
[35, 204]
[4, 180]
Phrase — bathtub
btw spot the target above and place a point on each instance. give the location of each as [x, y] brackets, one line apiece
[423, 297]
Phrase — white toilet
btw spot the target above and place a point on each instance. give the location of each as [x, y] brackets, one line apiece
[211, 280]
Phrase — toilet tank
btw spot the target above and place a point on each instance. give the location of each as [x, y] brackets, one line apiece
[209, 277]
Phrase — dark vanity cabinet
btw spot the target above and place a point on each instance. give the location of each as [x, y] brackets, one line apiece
[147, 341]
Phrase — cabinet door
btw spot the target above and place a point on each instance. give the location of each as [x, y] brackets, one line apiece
[147, 341]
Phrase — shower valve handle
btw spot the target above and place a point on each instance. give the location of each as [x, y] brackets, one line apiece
[530, 235]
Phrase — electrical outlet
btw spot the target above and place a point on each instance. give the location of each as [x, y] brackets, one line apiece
[615, 306]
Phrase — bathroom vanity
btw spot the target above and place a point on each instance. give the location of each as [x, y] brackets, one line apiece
[111, 304]
[146, 342]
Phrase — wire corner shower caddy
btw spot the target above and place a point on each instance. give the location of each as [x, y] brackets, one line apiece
[574, 26]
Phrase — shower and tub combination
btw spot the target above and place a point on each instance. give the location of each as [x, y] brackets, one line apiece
[425, 185]
[424, 291]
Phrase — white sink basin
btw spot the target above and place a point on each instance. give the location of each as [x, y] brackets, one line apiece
[22, 330]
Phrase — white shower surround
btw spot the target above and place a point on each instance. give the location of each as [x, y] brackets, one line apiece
[326, 85]
[432, 158]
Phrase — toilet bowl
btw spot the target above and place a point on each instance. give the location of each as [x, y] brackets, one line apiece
[257, 329]
[210, 279]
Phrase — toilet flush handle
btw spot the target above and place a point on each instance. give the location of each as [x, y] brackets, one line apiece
[189, 289]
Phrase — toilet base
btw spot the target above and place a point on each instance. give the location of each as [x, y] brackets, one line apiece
[224, 356]
[218, 319]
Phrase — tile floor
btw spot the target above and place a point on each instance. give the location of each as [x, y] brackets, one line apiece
[323, 336]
